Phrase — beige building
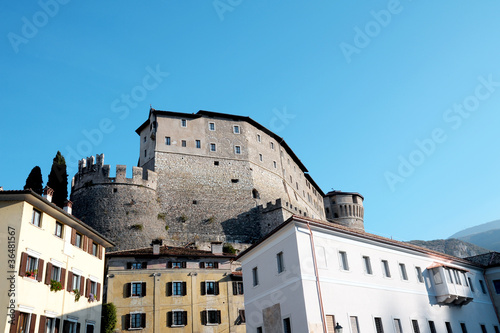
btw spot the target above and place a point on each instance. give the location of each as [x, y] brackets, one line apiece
[52, 270]
[165, 289]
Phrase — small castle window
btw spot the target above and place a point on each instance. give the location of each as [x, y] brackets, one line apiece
[271, 144]
[216, 163]
[237, 150]
[198, 144]
[260, 157]
[183, 122]
[258, 137]
[183, 143]
[236, 129]
[144, 139]
[213, 147]
[145, 153]
[235, 180]
[255, 194]
[115, 190]
[167, 140]
[211, 126]
[274, 164]
[195, 202]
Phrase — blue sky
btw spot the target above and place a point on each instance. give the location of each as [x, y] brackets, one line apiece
[396, 100]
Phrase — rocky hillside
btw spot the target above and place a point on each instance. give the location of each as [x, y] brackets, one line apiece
[485, 235]
[454, 247]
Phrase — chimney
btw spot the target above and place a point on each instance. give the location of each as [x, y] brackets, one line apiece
[156, 243]
[68, 207]
[216, 247]
[48, 193]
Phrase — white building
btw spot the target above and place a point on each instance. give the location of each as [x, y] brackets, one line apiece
[309, 275]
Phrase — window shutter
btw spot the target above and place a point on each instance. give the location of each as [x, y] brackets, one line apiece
[63, 277]
[40, 270]
[202, 264]
[41, 326]
[127, 321]
[169, 264]
[78, 326]
[128, 289]
[242, 315]
[216, 288]
[70, 282]
[85, 241]
[58, 323]
[87, 289]
[73, 236]
[66, 326]
[13, 326]
[48, 271]
[90, 246]
[184, 318]
[98, 296]
[129, 265]
[144, 265]
[183, 264]
[82, 285]
[143, 320]
[235, 288]
[169, 319]
[169, 288]
[24, 261]
[216, 265]
[203, 288]
[184, 289]
[143, 289]
[99, 251]
[32, 323]
[203, 315]
[218, 316]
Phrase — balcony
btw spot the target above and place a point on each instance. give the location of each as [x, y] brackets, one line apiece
[451, 285]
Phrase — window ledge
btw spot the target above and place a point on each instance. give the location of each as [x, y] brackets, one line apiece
[30, 279]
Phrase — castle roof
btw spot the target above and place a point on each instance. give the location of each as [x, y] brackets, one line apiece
[331, 193]
[349, 232]
[170, 251]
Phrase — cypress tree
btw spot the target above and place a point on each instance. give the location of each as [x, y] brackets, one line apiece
[35, 181]
[58, 180]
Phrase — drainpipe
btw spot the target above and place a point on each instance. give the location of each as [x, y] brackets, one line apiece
[318, 285]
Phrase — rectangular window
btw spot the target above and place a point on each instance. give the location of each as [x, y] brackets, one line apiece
[136, 320]
[237, 287]
[75, 285]
[287, 325]
[368, 265]
[32, 267]
[385, 268]
[448, 327]
[177, 264]
[213, 317]
[436, 274]
[59, 229]
[23, 323]
[279, 260]
[167, 140]
[354, 324]
[144, 139]
[463, 327]
[258, 137]
[259, 329]
[397, 325]
[271, 144]
[198, 144]
[496, 284]
[414, 324]
[420, 277]
[465, 279]
[56, 273]
[210, 288]
[236, 129]
[470, 284]
[211, 126]
[94, 249]
[457, 277]
[183, 123]
[36, 217]
[49, 325]
[78, 240]
[213, 147]
[483, 329]
[255, 276]
[237, 150]
[378, 325]
[274, 164]
[177, 288]
[344, 265]
[183, 143]
[145, 153]
[260, 157]
[136, 289]
[402, 269]
[179, 318]
[432, 327]
[496, 329]
[450, 277]
[483, 289]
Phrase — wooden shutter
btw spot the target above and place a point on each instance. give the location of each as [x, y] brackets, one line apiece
[203, 315]
[78, 326]
[128, 289]
[169, 264]
[13, 326]
[66, 326]
[129, 265]
[69, 284]
[73, 237]
[82, 285]
[242, 315]
[183, 264]
[127, 321]
[87, 288]
[216, 284]
[40, 270]
[48, 272]
[58, 323]
[41, 326]
[235, 288]
[203, 289]
[184, 317]
[169, 288]
[63, 277]
[98, 292]
[202, 264]
[32, 323]
[24, 261]
[84, 241]
[216, 265]
[143, 289]
[218, 317]
[143, 320]
[169, 319]
[183, 289]
[99, 251]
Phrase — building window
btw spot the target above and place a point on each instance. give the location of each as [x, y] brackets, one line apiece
[271, 144]
[23, 323]
[274, 164]
[89, 328]
[237, 287]
[483, 289]
[211, 126]
[136, 289]
[414, 324]
[483, 329]
[402, 269]
[137, 265]
[50, 325]
[176, 264]
[93, 288]
[183, 123]
[463, 327]
[241, 317]
[94, 249]
[255, 276]
[470, 284]
[55, 273]
[144, 139]
[255, 194]
[368, 265]
[145, 153]
[496, 329]
[496, 284]
[213, 147]
[344, 265]
[260, 157]
[432, 327]
[70, 326]
[259, 329]
[258, 137]
[59, 229]
[236, 129]
[457, 277]
[237, 150]
[420, 277]
[397, 325]
[183, 143]
[287, 325]
[280, 262]
[354, 324]
[211, 317]
[136, 320]
[78, 240]
[448, 327]
[211, 287]
[36, 217]
[32, 267]
[385, 268]
[177, 318]
[198, 144]
[167, 140]
[436, 274]
[378, 325]
[178, 288]
[75, 285]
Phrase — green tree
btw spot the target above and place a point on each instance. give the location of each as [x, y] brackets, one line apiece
[108, 322]
[35, 181]
[58, 180]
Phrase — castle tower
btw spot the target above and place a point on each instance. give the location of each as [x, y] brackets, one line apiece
[345, 208]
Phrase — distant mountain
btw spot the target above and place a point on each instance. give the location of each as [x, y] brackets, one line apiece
[485, 235]
[454, 247]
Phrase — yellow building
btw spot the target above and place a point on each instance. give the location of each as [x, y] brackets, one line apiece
[50, 257]
[173, 289]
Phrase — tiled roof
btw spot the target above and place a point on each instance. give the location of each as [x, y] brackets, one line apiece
[490, 259]
[169, 251]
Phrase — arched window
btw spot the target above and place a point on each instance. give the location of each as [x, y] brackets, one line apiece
[255, 194]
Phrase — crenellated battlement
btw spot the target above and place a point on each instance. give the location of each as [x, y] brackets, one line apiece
[270, 206]
[93, 171]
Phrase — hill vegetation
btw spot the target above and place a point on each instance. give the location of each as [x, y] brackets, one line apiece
[454, 247]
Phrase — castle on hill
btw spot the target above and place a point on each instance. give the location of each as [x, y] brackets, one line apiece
[204, 177]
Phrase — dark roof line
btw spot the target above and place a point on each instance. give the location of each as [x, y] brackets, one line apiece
[169, 251]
